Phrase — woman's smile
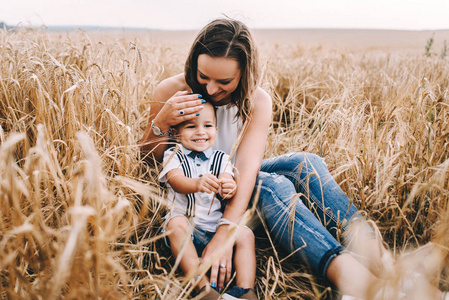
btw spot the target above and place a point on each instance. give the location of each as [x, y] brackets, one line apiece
[220, 77]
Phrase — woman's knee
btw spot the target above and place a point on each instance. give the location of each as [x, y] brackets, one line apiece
[273, 187]
[308, 160]
[294, 164]
[273, 182]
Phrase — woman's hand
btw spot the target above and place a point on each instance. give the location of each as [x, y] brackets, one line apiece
[179, 108]
[221, 269]
[228, 186]
[170, 97]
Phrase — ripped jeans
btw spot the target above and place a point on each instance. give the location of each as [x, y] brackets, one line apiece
[304, 208]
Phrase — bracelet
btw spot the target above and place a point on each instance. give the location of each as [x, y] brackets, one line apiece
[224, 221]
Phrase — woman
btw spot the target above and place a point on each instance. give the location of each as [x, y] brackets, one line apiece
[222, 66]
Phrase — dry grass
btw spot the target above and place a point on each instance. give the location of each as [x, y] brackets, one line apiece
[80, 210]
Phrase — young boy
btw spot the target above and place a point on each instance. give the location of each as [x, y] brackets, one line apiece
[195, 173]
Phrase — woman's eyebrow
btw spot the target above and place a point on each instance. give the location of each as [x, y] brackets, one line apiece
[224, 79]
[201, 73]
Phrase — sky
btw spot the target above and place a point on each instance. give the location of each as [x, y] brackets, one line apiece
[194, 14]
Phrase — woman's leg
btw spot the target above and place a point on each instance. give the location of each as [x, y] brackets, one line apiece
[351, 277]
[296, 228]
[318, 189]
[293, 225]
[323, 196]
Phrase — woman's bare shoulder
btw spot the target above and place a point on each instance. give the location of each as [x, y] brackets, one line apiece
[169, 86]
[262, 100]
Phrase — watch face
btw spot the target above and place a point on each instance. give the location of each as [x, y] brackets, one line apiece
[156, 130]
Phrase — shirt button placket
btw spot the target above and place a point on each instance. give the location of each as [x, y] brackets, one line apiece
[199, 167]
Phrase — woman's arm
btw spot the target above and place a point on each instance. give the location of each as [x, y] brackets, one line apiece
[248, 160]
[249, 155]
[170, 97]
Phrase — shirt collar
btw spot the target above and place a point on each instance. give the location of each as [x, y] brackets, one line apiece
[208, 152]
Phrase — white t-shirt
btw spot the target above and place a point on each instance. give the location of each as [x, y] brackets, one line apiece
[229, 128]
[179, 203]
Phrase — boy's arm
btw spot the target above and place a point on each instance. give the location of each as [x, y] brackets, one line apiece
[186, 185]
[180, 183]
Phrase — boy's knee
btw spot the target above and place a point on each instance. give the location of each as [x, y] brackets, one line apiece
[178, 225]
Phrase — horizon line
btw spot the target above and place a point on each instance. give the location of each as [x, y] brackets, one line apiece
[131, 28]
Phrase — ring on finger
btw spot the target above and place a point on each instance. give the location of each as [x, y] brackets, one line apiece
[222, 266]
[181, 112]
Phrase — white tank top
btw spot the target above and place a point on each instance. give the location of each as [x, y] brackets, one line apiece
[229, 129]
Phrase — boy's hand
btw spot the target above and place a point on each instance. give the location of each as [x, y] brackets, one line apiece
[208, 183]
[228, 186]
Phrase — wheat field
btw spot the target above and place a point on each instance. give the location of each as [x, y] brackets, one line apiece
[81, 208]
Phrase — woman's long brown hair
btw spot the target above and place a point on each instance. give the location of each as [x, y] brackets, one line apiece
[231, 39]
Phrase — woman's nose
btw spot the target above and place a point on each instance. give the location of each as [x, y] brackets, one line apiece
[212, 88]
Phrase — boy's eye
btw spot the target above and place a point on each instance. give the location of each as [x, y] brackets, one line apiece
[190, 126]
[208, 125]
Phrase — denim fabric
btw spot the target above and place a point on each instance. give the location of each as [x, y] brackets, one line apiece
[200, 239]
[304, 207]
[237, 292]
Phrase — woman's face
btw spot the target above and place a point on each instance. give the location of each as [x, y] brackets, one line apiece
[220, 76]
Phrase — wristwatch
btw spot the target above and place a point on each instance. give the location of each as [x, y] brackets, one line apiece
[157, 131]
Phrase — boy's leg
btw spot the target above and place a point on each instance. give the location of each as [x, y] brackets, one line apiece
[245, 259]
[179, 233]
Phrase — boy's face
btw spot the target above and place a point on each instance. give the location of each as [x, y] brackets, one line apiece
[198, 134]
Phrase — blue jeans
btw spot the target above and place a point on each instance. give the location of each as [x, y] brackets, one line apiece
[200, 239]
[304, 207]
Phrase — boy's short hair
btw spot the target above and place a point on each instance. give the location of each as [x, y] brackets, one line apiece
[207, 102]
